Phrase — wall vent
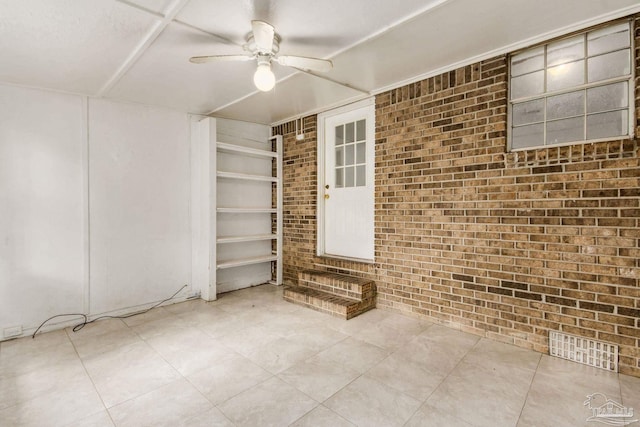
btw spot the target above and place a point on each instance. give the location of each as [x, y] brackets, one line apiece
[584, 350]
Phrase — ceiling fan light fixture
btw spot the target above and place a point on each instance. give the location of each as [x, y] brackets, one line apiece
[264, 79]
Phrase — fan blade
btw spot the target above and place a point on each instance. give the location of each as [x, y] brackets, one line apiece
[263, 34]
[305, 63]
[216, 58]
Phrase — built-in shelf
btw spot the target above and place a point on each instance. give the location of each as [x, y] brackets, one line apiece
[237, 149]
[246, 176]
[239, 239]
[247, 249]
[246, 261]
[246, 210]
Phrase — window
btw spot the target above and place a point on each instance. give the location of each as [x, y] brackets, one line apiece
[575, 89]
[350, 154]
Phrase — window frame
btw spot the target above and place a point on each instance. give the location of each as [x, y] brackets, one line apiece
[630, 80]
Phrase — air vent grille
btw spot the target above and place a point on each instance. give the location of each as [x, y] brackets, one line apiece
[584, 350]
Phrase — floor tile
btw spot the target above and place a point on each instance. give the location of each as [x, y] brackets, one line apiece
[317, 337]
[165, 406]
[204, 317]
[322, 417]
[190, 351]
[630, 389]
[211, 418]
[128, 372]
[228, 378]
[245, 340]
[224, 324]
[483, 395]
[366, 402]
[190, 306]
[76, 400]
[304, 368]
[271, 403]
[166, 326]
[99, 419]
[319, 378]
[405, 324]
[33, 360]
[407, 376]
[98, 327]
[500, 356]
[151, 315]
[438, 348]
[433, 416]
[385, 336]
[289, 323]
[281, 354]
[27, 345]
[21, 388]
[559, 390]
[354, 354]
[96, 344]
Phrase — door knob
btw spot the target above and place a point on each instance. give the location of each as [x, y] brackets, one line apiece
[326, 196]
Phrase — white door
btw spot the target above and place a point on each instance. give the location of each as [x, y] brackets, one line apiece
[346, 182]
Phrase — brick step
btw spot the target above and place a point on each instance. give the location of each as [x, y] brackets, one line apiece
[325, 302]
[337, 284]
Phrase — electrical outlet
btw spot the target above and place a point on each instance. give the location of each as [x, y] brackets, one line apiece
[14, 331]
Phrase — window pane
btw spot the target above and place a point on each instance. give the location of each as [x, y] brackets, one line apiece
[566, 105]
[565, 76]
[360, 153]
[606, 98]
[349, 130]
[610, 65]
[361, 176]
[339, 178]
[608, 39]
[361, 130]
[563, 51]
[565, 130]
[527, 136]
[339, 135]
[349, 179]
[528, 112]
[349, 156]
[527, 85]
[340, 156]
[610, 124]
[527, 61]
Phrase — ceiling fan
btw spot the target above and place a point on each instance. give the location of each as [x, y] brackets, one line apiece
[262, 45]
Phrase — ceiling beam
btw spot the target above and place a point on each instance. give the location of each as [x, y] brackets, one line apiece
[174, 8]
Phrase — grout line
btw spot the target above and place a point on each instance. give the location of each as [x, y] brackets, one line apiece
[529, 390]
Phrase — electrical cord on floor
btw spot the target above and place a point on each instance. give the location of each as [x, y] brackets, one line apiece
[86, 321]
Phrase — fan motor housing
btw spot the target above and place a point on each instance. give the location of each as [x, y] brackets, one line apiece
[250, 45]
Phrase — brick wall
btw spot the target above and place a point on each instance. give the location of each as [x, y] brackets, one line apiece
[503, 245]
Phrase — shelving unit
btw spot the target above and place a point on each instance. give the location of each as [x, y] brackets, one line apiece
[248, 213]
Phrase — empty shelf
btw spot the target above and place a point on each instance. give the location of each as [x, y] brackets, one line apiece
[237, 149]
[246, 210]
[236, 175]
[246, 261]
[254, 238]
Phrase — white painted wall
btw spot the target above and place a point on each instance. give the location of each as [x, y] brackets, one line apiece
[129, 222]
[42, 206]
[139, 175]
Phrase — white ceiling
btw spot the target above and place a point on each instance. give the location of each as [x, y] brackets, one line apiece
[138, 50]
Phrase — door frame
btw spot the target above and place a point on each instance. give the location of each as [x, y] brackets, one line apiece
[321, 181]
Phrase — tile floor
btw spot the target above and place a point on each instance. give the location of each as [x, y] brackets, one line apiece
[251, 359]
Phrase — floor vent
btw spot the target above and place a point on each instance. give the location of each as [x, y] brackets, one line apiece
[584, 350]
